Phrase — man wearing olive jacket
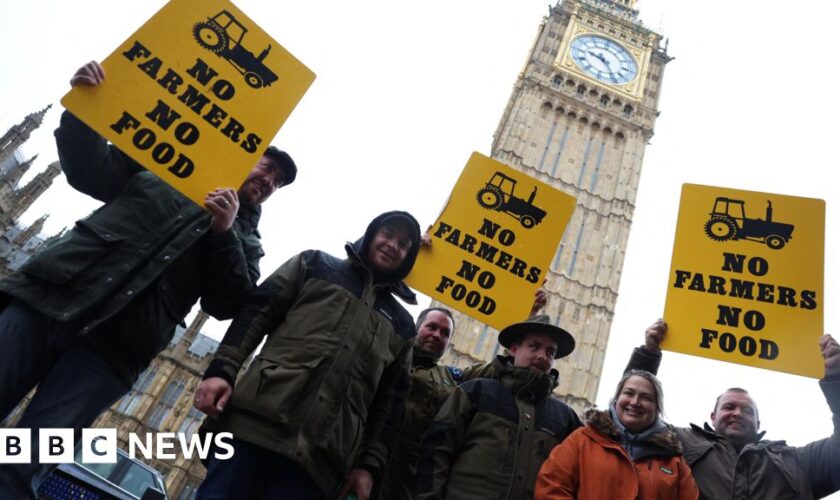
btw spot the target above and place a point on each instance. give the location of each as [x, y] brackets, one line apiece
[86, 314]
[729, 460]
[317, 410]
[431, 384]
[491, 436]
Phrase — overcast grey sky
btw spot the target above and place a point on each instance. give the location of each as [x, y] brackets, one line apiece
[407, 90]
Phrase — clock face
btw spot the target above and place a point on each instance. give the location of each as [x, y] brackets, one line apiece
[603, 59]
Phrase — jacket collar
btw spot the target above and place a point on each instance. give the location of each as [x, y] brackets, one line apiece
[501, 362]
[526, 383]
[398, 288]
[710, 433]
[662, 441]
[423, 359]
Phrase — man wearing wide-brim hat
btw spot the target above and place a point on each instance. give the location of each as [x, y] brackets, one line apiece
[494, 432]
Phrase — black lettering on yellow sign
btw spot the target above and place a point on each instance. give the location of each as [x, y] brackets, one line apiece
[731, 316]
[745, 289]
[746, 345]
[472, 298]
[487, 251]
[468, 271]
[164, 116]
[197, 101]
[460, 287]
[145, 139]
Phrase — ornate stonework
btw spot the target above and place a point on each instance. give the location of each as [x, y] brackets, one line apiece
[574, 120]
[17, 243]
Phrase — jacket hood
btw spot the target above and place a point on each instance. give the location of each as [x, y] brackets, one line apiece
[663, 441]
[362, 245]
[398, 288]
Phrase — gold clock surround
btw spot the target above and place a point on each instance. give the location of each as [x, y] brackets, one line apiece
[632, 89]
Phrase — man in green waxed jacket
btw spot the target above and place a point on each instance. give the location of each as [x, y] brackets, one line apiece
[431, 384]
[491, 436]
[85, 315]
[317, 410]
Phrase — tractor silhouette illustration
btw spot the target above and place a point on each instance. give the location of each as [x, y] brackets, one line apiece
[498, 194]
[727, 221]
[222, 34]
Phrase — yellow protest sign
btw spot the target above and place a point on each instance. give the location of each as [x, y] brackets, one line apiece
[746, 282]
[195, 95]
[493, 243]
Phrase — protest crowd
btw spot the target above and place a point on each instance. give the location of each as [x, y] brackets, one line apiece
[329, 386]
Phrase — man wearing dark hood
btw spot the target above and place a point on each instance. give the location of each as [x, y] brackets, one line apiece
[318, 408]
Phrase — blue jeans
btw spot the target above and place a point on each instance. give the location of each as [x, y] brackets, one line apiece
[256, 472]
[75, 384]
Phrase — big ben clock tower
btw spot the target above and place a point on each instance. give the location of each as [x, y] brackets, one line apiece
[579, 118]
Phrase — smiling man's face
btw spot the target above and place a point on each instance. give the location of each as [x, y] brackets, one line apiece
[262, 181]
[736, 417]
[389, 247]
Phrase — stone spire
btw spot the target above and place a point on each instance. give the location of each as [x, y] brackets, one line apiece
[26, 196]
[13, 176]
[31, 231]
[18, 134]
[190, 335]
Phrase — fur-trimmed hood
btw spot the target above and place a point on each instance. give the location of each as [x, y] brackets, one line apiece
[663, 442]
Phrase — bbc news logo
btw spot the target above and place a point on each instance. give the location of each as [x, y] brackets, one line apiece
[99, 446]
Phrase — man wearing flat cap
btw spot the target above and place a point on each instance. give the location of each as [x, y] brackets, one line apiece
[84, 316]
[492, 435]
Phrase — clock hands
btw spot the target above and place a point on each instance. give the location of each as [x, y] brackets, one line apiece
[615, 65]
[601, 58]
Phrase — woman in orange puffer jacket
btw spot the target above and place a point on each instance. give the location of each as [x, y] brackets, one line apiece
[626, 452]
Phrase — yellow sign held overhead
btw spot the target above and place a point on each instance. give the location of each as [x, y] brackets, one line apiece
[195, 95]
[493, 243]
[746, 282]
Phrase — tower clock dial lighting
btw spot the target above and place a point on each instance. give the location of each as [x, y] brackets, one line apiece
[603, 59]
